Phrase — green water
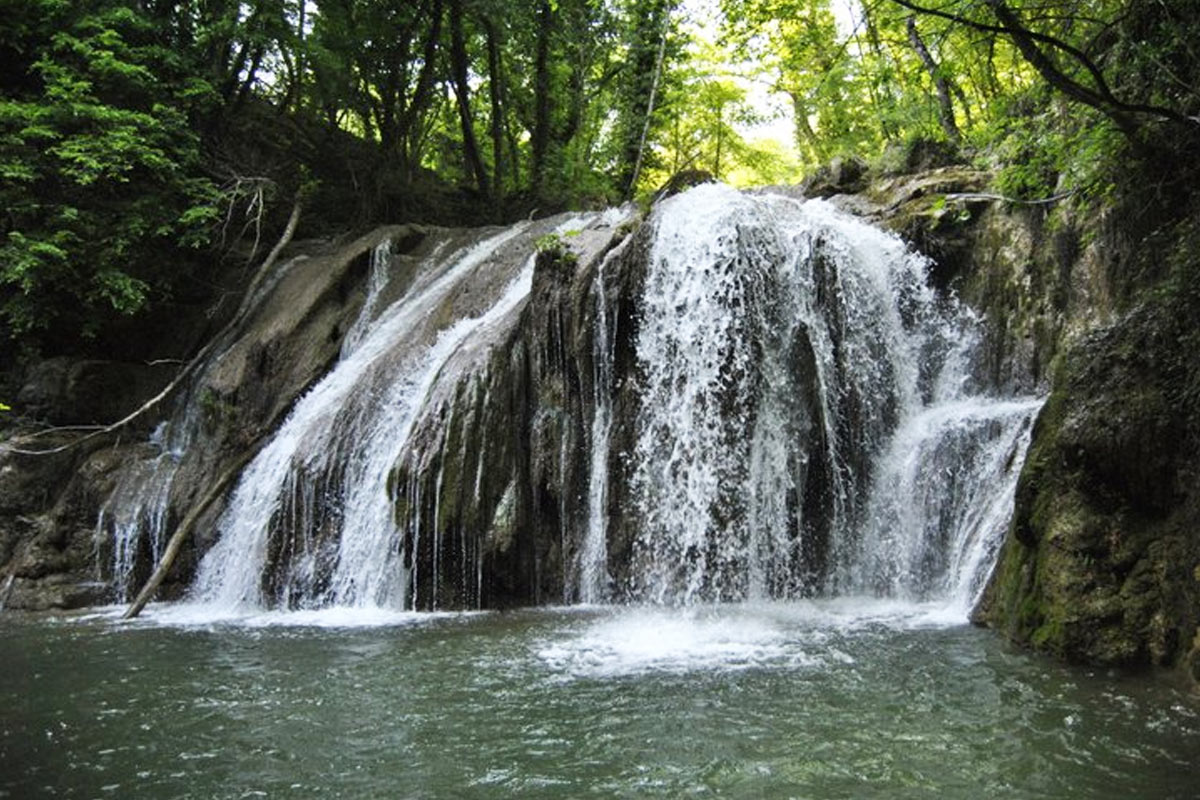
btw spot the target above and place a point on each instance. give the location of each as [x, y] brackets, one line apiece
[807, 700]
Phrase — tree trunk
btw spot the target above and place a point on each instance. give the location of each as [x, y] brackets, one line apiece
[298, 87]
[655, 77]
[419, 101]
[540, 144]
[887, 127]
[805, 135]
[496, 95]
[247, 86]
[945, 102]
[1100, 97]
[181, 534]
[459, 64]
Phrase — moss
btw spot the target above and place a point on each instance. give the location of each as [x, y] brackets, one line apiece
[217, 412]
[450, 479]
[554, 254]
[1101, 566]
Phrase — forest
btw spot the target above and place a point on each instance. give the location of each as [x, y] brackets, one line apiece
[141, 142]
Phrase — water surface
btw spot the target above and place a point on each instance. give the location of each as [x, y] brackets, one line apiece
[821, 700]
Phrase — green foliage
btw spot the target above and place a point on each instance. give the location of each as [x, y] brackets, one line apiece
[554, 244]
[131, 132]
[101, 165]
[1043, 151]
[853, 90]
[553, 250]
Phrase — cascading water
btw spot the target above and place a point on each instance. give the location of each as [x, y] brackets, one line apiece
[593, 562]
[342, 440]
[943, 494]
[311, 522]
[807, 424]
[136, 515]
[380, 274]
[788, 412]
[132, 524]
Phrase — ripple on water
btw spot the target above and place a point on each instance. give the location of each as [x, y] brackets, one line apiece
[847, 698]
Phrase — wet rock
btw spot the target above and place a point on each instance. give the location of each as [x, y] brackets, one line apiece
[682, 181]
[1101, 567]
[497, 479]
[842, 175]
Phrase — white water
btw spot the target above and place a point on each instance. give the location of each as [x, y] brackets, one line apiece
[133, 521]
[808, 428]
[754, 635]
[593, 569]
[311, 524]
[942, 498]
[786, 346]
[380, 273]
[353, 423]
[137, 508]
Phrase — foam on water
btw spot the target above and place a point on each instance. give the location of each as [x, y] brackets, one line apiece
[730, 637]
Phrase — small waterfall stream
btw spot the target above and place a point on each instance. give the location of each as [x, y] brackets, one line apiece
[328, 465]
[790, 412]
[593, 569]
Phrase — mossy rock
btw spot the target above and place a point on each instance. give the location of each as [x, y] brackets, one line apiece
[1100, 566]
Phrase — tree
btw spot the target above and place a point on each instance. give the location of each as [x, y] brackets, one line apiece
[1061, 51]
[99, 159]
[649, 46]
[459, 69]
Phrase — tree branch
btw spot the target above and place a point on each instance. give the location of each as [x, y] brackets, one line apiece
[247, 302]
[175, 544]
[1098, 96]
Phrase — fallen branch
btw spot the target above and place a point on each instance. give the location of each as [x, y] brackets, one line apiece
[175, 544]
[217, 489]
[190, 367]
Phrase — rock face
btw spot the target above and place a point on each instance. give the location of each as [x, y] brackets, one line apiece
[1103, 563]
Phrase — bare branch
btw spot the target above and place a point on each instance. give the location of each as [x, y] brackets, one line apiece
[191, 366]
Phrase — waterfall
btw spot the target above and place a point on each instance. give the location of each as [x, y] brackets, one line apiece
[132, 523]
[311, 522]
[807, 423]
[593, 569]
[942, 497]
[380, 274]
[135, 516]
[752, 397]
[339, 445]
